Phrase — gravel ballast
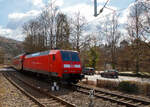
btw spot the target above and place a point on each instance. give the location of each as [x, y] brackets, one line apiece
[10, 96]
[77, 98]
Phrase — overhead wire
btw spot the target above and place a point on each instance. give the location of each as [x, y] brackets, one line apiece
[101, 10]
[106, 15]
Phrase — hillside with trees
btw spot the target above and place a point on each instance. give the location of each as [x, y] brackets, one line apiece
[9, 48]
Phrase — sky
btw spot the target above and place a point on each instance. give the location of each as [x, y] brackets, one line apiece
[13, 13]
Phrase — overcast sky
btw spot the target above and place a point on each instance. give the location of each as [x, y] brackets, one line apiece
[13, 13]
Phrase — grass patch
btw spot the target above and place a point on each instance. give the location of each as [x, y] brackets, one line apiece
[128, 87]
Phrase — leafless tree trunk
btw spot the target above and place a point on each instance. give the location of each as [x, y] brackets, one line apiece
[62, 32]
[134, 31]
[112, 36]
[78, 26]
[145, 21]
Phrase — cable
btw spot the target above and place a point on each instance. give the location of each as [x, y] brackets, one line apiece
[101, 10]
[106, 15]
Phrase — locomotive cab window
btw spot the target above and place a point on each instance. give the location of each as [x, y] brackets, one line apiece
[70, 56]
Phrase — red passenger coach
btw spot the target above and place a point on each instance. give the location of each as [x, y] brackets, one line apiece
[57, 64]
[17, 62]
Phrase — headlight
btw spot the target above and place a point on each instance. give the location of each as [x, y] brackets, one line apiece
[77, 66]
[65, 71]
[66, 65]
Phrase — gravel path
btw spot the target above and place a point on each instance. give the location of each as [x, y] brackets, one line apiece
[12, 97]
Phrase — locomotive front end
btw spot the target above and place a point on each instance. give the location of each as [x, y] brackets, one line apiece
[71, 66]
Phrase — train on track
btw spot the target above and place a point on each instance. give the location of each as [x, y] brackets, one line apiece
[58, 65]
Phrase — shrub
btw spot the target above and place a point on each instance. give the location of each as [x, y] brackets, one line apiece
[144, 88]
[128, 87]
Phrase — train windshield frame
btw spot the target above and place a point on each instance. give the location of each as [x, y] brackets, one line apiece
[70, 56]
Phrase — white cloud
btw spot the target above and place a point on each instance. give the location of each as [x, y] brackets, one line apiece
[56, 2]
[88, 12]
[125, 14]
[84, 9]
[37, 3]
[14, 34]
[100, 1]
[19, 16]
[4, 31]
[123, 19]
[59, 2]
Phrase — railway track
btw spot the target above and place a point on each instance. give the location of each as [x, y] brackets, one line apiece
[119, 99]
[112, 97]
[45, 99]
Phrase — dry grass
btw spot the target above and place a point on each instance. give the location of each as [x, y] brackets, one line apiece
[107, 84]
[1, 90]
[1, 66]
[5, 65]
[143, 88]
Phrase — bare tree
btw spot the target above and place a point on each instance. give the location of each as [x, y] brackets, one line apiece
[134, 31]
[31, 30]
[111, 36]
[78, 26]
[49, 30]
[145, 20]
[62, 31]
[48, 20]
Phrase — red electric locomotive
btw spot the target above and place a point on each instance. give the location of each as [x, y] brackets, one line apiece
[57, 64]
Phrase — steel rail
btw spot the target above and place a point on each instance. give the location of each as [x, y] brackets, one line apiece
[120, 99]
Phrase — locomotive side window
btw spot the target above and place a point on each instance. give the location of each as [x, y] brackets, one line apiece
[53, 57]
[44, 53]
[38, 54]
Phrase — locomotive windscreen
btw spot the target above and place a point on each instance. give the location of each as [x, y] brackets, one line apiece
[69, 56]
